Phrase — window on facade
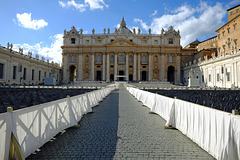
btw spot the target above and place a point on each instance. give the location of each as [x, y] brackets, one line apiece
[234, 27]
[112, 59]
[170, 59]
[121, 58]
[1, 70]
[237, 10]
[156, 41]
[228, 30]
[20, 68]
[219, 36]
[99, 41]
[87, 41]
[45, 74]
[229, 46]
[131, 40]
[33, 74]
[223, 33]
[14, 72]
[39, 75]
[209, 77]
[72, 59]
[202, 78]
[218, 77]
[144, 59]
[99, 58]
[24, 73]
[130, 59]
[231, 13]
[72, 40]
[170, 41]
[228, 74]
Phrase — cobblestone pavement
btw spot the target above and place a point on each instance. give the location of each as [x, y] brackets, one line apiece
[121, 128]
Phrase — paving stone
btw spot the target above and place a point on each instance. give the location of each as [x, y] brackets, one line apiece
[121, 128]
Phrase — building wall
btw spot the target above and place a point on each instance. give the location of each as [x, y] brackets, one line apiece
[229, 34]
[233, 12]
[132, 54]
[221, 71]
[208, 44]
[10, 59]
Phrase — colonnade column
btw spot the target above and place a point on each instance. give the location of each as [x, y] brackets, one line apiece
[162, 67]
[138, 70]
[178, 81]
[103, 68]
[134, 66]
[108, 67]
[115, 66]
[236, 74]
[92, 68]
[65, 75]
[127, 67]
[149, 66]
[79, 78]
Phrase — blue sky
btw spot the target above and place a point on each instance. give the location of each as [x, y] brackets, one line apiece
[38, 25]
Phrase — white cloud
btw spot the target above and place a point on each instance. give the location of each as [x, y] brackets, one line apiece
[96, 4]
[154, 13]
[92, 4]
[193, 23]
[72, 3]
[53, 53]
[25, 20]
[143, 24]
[234, 2]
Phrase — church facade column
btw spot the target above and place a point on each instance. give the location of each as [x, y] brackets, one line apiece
[92, 68]
[134, 66]
[149, 66]
[103, 68]
[79, 78]
[162, 67]
[108, 67]
[178, 79]
[127, 67]
[115, 66]
[138, 70]
[65, 75]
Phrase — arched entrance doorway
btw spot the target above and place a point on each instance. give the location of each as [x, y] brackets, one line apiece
[130, 77]
[72, 70]
[144, 75]
[111, 77]
[170, 74]
[121, 73]
[99, 76]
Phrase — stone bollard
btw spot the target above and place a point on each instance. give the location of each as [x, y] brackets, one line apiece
[235, 112]
[68, 96]
[9, 109]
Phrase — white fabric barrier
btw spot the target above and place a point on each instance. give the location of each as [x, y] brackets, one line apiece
[215, 131]
[5, 135]
[36, 125]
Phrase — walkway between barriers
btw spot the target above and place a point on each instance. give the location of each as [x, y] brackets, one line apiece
[121, 128]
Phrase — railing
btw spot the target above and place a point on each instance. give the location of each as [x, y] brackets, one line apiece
[217, 132]
[34, 126]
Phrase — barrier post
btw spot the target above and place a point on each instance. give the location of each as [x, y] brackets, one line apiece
[15, 151]
[76, 126]
[235, 112]
[170, 127]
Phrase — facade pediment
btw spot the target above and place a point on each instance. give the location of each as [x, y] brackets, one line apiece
[121, 42]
